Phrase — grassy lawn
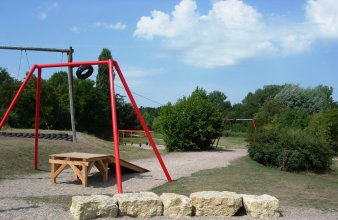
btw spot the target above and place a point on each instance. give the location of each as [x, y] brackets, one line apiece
[249, 177]
[232, 142]
[16, 154]
[137, 139]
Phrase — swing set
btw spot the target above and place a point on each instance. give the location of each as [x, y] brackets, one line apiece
[84, 70]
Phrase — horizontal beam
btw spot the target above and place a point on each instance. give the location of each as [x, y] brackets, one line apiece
[68, 50]
[72, 64]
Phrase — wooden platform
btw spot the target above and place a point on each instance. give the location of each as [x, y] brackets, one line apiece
[81, 164]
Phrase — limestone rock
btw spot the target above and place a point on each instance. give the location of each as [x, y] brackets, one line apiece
[264, 206]
[175, 205]
[95, 206]
[142, 205]
[213, 203]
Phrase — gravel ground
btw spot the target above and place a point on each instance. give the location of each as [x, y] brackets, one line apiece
[12, 191]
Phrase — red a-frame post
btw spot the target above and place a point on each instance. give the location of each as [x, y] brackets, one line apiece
[111, 65]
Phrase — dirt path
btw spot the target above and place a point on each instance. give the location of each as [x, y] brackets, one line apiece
[12, 191]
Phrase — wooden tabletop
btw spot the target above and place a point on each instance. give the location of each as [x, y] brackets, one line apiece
[79, 155]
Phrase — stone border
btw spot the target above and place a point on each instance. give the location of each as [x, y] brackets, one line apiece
[148, 204]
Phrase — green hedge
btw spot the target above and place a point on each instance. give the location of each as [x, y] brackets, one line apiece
[290, 150]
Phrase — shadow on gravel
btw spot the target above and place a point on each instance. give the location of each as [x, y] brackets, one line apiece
[20, 208]
[95, 179]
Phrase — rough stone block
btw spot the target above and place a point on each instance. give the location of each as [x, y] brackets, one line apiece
[140, 205]
[95, 206]
[264, 206]
[213, 203]
[175, 205]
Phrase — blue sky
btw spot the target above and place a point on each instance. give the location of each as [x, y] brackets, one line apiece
[167, 48]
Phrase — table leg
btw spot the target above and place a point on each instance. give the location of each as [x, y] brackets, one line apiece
[102, 166]
[52, 172]
[84, 175]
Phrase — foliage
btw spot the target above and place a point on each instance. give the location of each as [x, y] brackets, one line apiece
[102, 78]
[290, 150]
[324, 125]
[292, 135]
[312, 99]
[253, 101]
[218, 98]
[8, 87]
[149, 114]
[191, 124]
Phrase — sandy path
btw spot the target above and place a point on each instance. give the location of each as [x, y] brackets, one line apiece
[179, 165]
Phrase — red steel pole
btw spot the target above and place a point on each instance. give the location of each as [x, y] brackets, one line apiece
[37, 111]
[17, 95]
[140, 118]
[114, 126]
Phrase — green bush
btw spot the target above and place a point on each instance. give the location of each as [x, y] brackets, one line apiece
[191, 124]
[292, 118]
[290, 150]
[324, 125]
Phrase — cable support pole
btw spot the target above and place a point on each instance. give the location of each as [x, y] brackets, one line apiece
[71, 96]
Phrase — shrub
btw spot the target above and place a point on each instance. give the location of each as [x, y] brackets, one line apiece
[292, 118]
[290, 150]
[191, 124]
[324, 125]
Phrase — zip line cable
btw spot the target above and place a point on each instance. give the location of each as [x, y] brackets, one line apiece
[137, 94]
[142, 96]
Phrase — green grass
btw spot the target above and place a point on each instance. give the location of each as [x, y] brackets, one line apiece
[16, 154]
[137, 139]
[232, 142]
[248, 177]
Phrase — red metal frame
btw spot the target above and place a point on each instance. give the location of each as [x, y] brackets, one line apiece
[111, 64]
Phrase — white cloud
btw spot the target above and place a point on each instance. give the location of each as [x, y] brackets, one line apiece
[44, 11]
[76, 29]
[116, 26]
[184, 18]
[84, 28]
[232, 31]
[42, 16]
[324, 15]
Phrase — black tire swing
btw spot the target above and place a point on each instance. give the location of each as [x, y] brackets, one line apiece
[84, 71]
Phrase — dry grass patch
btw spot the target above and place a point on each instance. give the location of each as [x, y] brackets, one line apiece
[16, 154]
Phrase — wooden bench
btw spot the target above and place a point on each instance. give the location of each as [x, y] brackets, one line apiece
[82, 163]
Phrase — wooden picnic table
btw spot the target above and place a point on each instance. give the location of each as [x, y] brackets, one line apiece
[82, 163]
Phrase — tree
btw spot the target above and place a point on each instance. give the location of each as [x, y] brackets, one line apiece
[312, 99]
[253, 101]
[57, 116]
[149, 114]
[8, 87]
[102, 78]
[218, 98]
[191, 124]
